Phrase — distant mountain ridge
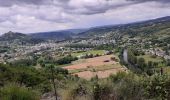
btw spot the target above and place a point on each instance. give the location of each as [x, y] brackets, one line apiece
[54, 35]
[58, 35]
[16, 37]
[150, 27]
[137, 28]
[12, 35]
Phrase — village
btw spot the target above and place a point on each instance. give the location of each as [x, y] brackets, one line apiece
[17, 51]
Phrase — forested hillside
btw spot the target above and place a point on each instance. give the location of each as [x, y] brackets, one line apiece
[145, 28]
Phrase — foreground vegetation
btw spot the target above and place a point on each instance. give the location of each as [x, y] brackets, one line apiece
[26, 83]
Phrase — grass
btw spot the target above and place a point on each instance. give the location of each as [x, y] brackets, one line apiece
[99, 68]
[16, 92]
[167, 70]
[107, 67]
[79, 61]
[94, 52]
[150, 58]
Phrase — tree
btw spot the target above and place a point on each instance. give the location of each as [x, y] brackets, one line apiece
[168, 62]
[66, 60]
[51, 67]
[150, 64]
[157, 87]
[141, 63]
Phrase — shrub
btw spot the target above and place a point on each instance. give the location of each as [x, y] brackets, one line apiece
[14, 92]
[157, 87]
[66, 60]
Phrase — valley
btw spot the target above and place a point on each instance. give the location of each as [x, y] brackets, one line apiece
[83, 64]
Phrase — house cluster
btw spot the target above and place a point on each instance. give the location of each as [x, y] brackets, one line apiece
[100, 41]
[19, 51]
[1, 59]
[158, 52]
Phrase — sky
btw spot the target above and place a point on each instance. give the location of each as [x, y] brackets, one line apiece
[30, 16]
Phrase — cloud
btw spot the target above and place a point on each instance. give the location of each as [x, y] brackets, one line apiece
[47, 15]
[83, 7]
[20, 2]
[162, 1]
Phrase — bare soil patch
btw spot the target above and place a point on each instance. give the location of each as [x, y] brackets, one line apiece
[101, 66]
[92, 62]
[101, 74]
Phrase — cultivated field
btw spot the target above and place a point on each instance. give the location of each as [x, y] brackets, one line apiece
[101, 66]
[94, 52]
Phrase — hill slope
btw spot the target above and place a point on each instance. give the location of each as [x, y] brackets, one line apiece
[58, 35]
[157, 26]
[14, 37]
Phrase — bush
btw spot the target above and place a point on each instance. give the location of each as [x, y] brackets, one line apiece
[157, 87]
[24, 62]
[66, 60]
[14, 92]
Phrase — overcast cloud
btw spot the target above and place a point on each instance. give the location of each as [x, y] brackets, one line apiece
[29, 16]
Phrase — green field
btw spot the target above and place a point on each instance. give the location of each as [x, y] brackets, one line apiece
[156, 59]
[150, 58]
[94, 52]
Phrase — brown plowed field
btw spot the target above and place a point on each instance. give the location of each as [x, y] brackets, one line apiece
[92, 62]
[101, 74]
[96, 63]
